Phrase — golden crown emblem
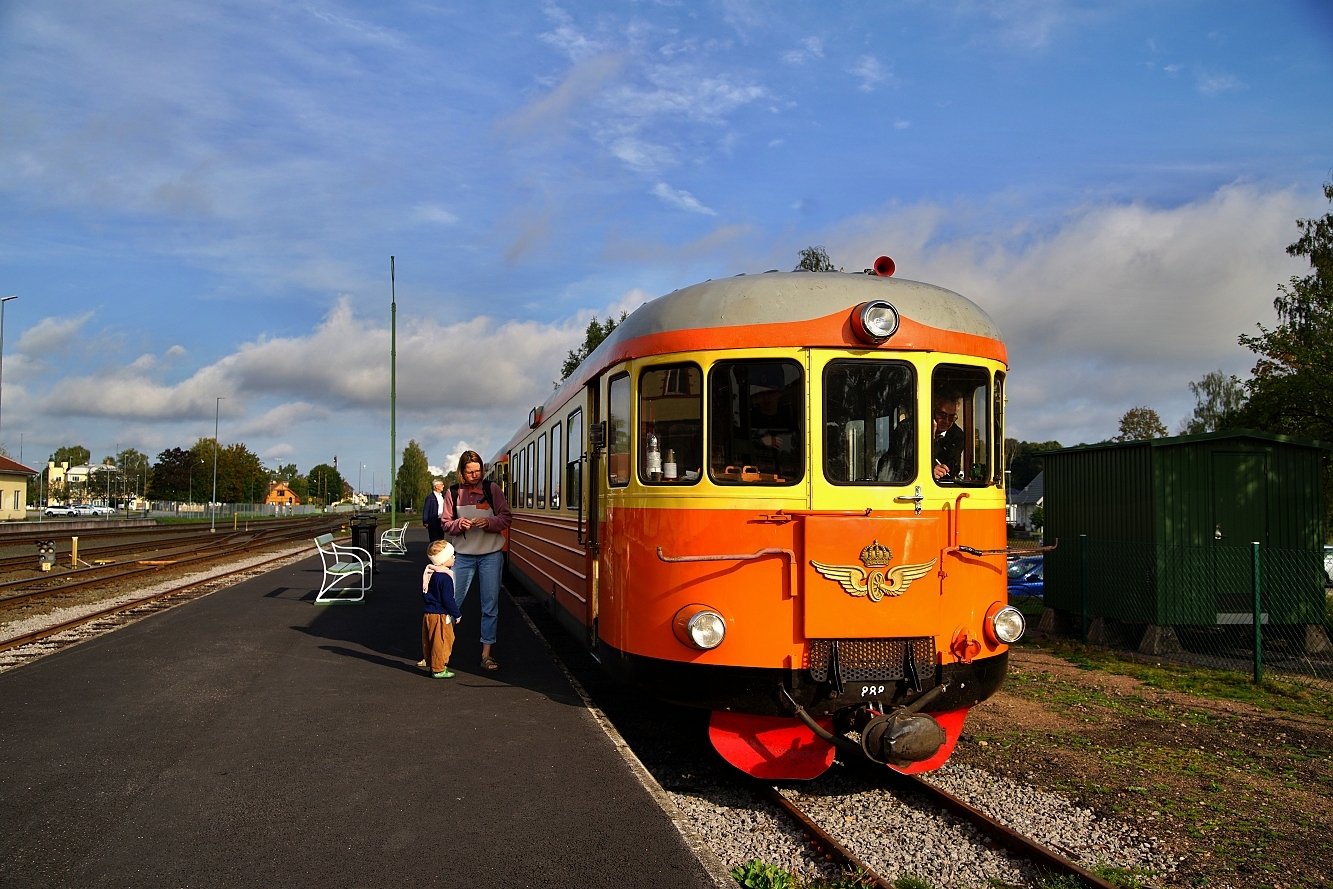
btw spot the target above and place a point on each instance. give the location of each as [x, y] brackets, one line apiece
[876, 555]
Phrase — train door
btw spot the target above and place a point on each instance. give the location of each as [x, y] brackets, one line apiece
[586, 427]
[871, 550]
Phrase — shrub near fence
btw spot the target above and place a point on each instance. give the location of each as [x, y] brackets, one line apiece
[1196, 604]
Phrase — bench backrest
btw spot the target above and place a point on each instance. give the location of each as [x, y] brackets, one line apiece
[323, 540]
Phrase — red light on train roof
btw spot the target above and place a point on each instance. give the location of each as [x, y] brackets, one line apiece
[885, 267]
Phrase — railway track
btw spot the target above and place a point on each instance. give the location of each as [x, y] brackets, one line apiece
[1011, 840]
[156, 601]
[80, 579]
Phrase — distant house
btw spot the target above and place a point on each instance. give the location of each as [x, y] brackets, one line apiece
[14, 478]
[280, 494]
[1021, 503]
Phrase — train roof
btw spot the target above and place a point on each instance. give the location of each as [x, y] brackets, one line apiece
[747, 310]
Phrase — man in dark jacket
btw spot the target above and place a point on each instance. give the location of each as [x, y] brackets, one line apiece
[946, 440]
[432, 510]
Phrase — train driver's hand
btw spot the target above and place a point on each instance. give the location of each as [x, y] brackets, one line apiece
[941, 471]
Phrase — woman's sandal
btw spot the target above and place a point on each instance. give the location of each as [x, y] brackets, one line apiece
[489, 663]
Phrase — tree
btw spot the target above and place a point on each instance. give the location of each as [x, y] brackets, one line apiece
[414, 478]
[593, 337]
[325, 484]
[74, 455]
[1291, 386]
[241, 475]
[814, 259]
[135, 470]
[1140, 423]
[1038, 518]
[172, 475]
[1218, 400]
[1024, 464]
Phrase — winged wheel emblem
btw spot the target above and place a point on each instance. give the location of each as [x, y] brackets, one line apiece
[870, 581]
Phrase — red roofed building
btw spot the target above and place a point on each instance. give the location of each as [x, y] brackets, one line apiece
[279, 493]
[14, 478]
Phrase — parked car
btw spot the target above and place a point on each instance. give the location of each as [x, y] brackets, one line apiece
[1027, 576]
[60, 510]
[103, 510]
[84, 509]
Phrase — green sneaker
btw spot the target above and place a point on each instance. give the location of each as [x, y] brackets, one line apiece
[443, 674]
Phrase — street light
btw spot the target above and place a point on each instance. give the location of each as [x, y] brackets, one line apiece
[3, 300]
[213, 507]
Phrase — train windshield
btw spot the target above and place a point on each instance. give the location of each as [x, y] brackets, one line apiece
[869, 423]
[671, 425]
[756, 423]
[960, 426]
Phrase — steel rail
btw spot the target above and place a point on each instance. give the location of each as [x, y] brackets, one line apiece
[106, 575]
[1021, 846]
[37, 635]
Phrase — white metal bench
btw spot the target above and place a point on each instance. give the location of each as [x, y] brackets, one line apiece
[342, 562]
[393, 542]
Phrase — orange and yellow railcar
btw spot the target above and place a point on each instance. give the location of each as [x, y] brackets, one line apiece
[780, 497]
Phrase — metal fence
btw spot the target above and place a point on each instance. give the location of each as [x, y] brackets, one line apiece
[1248, 608]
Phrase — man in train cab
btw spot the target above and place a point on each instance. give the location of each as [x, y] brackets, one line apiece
[946, 439]
[431, 512]
[475, 516]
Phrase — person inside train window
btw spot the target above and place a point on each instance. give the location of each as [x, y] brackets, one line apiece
[868, 420]
[960, 427]
[757, 422]
[671, 428]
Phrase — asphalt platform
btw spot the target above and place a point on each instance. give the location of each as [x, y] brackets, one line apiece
[250, 738]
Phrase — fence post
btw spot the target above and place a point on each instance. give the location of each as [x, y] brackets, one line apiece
[1258, 618]
[1083, 585]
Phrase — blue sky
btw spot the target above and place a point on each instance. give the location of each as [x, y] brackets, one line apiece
[200, 199]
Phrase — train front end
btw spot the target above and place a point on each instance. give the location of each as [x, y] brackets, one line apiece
[802, 527]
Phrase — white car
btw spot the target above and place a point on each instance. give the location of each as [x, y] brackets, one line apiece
[103, 510]
[60, 510]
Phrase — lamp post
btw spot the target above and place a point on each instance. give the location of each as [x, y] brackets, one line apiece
[393, 399]
[3, 300]
[213, 506]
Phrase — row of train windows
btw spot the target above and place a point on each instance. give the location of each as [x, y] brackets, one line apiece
[756, 424]
[529, 467]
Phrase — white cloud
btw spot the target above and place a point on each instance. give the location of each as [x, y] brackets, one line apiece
[1120, 305]
[567, 38]
[681, 200]
[810, 48]
[437, 470]
[871, 73]
[52, 335]
[901, 124]
[432, 213]
[641, 156]
[1212, 84]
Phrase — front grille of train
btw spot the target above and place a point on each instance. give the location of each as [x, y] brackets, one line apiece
[857, 660]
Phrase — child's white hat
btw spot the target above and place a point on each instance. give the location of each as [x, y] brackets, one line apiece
[443, 555]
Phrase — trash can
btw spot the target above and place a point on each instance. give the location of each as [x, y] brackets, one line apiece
[363, 532]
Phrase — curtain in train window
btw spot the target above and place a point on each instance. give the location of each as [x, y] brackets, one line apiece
[960, 426]
[556, 463]
[756, 423]
[529, 488]
[574, 466]
[869, 423]
[671, 425]
[618, 431]
[541, 472]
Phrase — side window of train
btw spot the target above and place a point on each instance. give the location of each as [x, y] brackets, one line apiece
[618, 431]
[529, 461]
[756, 423]
[671, 425]
[573, 473]
[557, 460]
[997, 474]
[518, 478]
[960, 425]
[541, 472]
[870, 423]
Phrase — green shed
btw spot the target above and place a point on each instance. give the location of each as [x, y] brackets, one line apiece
[1170, 524]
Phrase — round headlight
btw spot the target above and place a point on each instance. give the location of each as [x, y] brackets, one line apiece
[875, 321]
[1009, 624]
[707, 629]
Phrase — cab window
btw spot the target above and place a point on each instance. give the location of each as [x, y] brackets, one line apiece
[869, 423]
[960, 425]
[618, 431]
[756, 423]
[671, 425]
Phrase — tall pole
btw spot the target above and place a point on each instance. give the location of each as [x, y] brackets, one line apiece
[3, 300]
[213, 507]
[393, 399]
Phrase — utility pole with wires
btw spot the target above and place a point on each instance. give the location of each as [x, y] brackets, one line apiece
[393, 399]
